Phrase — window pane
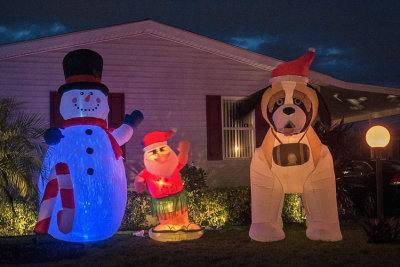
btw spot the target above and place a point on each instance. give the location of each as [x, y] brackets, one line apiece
[229, 114]
[237, 133]
[238, 143]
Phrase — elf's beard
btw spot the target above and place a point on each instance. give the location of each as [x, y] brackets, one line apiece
[165, 168]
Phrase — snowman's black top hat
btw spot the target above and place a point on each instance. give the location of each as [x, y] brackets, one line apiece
[82, 71]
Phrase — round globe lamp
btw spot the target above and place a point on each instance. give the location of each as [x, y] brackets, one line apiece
[378, 137]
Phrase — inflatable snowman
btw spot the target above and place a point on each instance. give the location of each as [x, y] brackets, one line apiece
[83, 186]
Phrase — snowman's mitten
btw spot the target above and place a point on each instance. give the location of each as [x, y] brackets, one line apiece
[53, 136]
[134, 119]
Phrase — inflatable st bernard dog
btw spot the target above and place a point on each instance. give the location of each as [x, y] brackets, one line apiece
[292, 158]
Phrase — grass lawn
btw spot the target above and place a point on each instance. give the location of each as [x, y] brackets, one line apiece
[226, 247]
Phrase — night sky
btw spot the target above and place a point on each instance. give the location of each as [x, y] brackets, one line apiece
[356, 40]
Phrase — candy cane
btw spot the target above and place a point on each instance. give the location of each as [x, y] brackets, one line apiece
[59, 180]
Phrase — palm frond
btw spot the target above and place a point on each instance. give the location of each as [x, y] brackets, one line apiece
[21, 149]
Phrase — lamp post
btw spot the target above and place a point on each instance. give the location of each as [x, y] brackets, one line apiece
[377, 138]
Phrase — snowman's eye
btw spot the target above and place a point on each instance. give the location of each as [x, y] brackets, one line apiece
[297, 101]
[280, 101]
[81, 93]
[91, 93]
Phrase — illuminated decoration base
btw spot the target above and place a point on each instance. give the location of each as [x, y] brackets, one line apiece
[98, 179]
[169, 236]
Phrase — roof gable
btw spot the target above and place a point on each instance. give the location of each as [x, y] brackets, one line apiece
[176, 35]
[133, 29]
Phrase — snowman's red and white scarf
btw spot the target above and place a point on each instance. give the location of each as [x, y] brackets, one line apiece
[96, 122]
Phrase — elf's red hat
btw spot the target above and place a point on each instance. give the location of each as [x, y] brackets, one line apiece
[156, 139]
[295, 70]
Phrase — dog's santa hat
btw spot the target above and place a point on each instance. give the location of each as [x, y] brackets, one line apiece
[295, 70]
[156, 139]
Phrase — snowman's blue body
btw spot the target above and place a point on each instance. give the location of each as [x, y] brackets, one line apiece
[99, 183]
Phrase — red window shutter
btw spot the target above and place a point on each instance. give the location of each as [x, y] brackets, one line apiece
[261, 126]
[214, 127]
[116, 102]
[56, 119]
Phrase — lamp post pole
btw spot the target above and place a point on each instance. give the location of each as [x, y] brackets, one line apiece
[379, 183]
[377, 138]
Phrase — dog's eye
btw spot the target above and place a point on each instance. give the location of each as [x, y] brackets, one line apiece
[280, 102]
[297, 101]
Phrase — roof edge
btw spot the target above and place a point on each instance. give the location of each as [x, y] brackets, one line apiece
[174, 34]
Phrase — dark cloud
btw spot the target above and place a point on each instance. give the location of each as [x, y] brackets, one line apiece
[31, 31]
[357, 41]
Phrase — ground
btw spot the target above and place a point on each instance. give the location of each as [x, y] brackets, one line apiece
[226, 247]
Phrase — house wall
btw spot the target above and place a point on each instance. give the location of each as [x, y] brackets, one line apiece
[166, 80]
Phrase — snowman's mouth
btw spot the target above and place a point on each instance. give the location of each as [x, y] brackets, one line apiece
[86, 108]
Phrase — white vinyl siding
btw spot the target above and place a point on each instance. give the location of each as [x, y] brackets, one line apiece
[166, 80]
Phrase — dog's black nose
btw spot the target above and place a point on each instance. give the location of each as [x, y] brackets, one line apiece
[288, 111]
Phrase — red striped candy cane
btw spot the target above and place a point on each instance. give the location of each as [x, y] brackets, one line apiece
[59, 180]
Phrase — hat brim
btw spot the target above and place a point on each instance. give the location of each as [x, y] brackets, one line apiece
[83, 86]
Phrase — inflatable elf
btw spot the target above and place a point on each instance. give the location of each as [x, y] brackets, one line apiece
[163, 179]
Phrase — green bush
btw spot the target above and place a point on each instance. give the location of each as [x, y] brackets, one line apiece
[22, 221]
[207, 207]
[293, 210]
[193, 178]
[137, 212]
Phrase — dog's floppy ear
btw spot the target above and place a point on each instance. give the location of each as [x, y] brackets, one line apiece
[249, 103]
[323, 112]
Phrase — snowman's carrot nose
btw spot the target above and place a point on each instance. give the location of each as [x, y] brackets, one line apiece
[87, 99]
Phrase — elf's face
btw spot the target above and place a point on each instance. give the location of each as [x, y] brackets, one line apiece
[84, 103]
[161, 161]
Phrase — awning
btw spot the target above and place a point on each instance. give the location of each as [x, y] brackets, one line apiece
[354, 105]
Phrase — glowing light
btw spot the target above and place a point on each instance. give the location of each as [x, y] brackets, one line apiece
[236, 148]
[377, 136]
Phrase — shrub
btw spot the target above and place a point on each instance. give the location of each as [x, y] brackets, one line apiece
[385, 230]
[193, 178]
[137, 212]
[217, 207]
[208, 206]
[293, 210]
[22, 221]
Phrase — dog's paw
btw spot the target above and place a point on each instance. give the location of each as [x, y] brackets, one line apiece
[266, 232]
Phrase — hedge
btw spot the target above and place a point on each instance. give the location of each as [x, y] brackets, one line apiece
[207, 207]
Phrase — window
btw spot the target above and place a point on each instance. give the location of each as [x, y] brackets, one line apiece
[237, 135]
[215, 133]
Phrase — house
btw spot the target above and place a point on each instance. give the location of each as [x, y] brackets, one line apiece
[178, 79]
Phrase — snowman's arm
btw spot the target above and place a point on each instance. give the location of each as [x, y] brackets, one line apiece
[140, 184]
[123, 133]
